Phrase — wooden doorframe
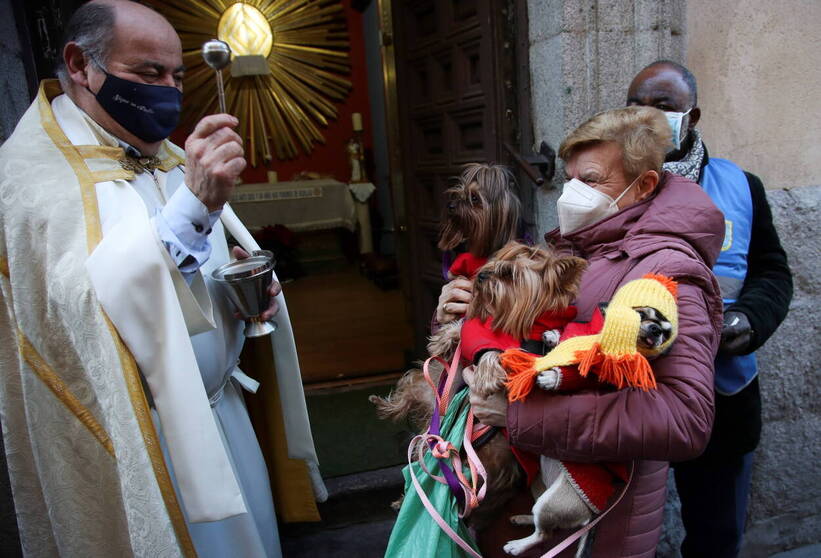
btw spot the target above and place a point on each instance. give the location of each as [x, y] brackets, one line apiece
[397, 181]
[517, 32]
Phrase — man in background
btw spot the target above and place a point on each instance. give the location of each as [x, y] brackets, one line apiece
[756, 286]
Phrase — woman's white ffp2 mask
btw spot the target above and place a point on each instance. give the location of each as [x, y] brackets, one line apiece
[581, 205]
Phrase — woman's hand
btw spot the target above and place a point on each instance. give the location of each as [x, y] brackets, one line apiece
[490, 410]
[454, 300]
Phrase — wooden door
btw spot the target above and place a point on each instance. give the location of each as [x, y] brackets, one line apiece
[455, 101]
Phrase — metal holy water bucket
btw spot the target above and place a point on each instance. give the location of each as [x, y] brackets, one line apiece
[246, 284]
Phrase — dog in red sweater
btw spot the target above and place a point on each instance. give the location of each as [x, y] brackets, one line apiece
[481, 213]
[520, 294]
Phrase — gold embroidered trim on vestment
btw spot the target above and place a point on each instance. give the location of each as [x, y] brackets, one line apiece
[48, 90]
[113, 174]
[152, 443]
[99, 151]
[170, 156]
[4, 267]
[63, 393]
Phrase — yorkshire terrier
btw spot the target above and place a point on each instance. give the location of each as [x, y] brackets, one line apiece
[518, 295]
[481, 213]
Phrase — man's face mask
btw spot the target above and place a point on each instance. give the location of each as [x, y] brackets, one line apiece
[675, 119]
[581, 205]
[150, 112]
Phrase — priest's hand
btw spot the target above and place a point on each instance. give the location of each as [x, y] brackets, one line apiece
[273, 290]
[214, 159]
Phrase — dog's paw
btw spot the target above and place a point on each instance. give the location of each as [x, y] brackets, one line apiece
[489, 376]
[521, 520]
[549, 380]
[550, 338]
[444, 342]
[514, 548]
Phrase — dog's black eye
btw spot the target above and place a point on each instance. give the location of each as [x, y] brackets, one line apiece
[474, 199]
[482, 276]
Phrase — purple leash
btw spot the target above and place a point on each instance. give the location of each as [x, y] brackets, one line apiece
[447, 472]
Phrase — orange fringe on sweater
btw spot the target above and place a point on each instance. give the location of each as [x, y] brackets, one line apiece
[625, 370]
[521, 373]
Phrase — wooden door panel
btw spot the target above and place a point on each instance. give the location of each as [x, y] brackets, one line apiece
[429, 196]
[451, 112]
[429, 254]
[469, 137]
[464, 9]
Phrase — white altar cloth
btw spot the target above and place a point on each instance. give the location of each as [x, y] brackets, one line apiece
[303, 205]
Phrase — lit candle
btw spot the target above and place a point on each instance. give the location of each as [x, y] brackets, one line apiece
[357, 121]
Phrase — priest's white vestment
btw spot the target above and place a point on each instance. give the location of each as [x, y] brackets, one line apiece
[90, 296]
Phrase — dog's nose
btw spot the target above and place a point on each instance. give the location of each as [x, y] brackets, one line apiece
[654, 330]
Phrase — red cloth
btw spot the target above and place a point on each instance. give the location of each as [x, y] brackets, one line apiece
[595, 482]
[529, 462]
[572, 380]
[466, 265]
[574, 329]
[478, 335]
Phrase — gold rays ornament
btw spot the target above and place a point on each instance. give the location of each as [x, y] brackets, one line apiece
[289, 67]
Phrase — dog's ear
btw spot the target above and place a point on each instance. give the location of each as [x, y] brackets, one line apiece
[568, 270]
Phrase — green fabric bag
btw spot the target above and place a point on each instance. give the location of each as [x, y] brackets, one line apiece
[415, 533]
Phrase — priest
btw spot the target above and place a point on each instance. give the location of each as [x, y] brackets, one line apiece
[120, 383]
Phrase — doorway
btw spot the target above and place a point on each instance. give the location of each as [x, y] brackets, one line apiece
[442, 91]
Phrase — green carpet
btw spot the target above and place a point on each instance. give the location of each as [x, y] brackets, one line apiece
[349, 437]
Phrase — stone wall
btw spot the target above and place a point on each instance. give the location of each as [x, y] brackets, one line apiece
[13, 89]
[784, 512]
[13, 103]
[583, 54]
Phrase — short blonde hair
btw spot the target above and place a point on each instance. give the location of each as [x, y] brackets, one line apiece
[643, 134]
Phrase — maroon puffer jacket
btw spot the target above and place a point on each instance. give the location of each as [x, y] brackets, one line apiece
[677, 232]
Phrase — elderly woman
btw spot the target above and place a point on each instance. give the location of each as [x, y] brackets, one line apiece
[627, 218]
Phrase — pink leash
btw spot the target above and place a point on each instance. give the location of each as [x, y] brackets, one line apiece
[442, 449]
[556, 550]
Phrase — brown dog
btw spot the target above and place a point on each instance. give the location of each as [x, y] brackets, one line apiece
[516, 287]
[481, 211]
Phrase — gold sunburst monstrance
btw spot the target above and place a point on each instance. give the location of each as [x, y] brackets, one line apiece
[303, 43]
